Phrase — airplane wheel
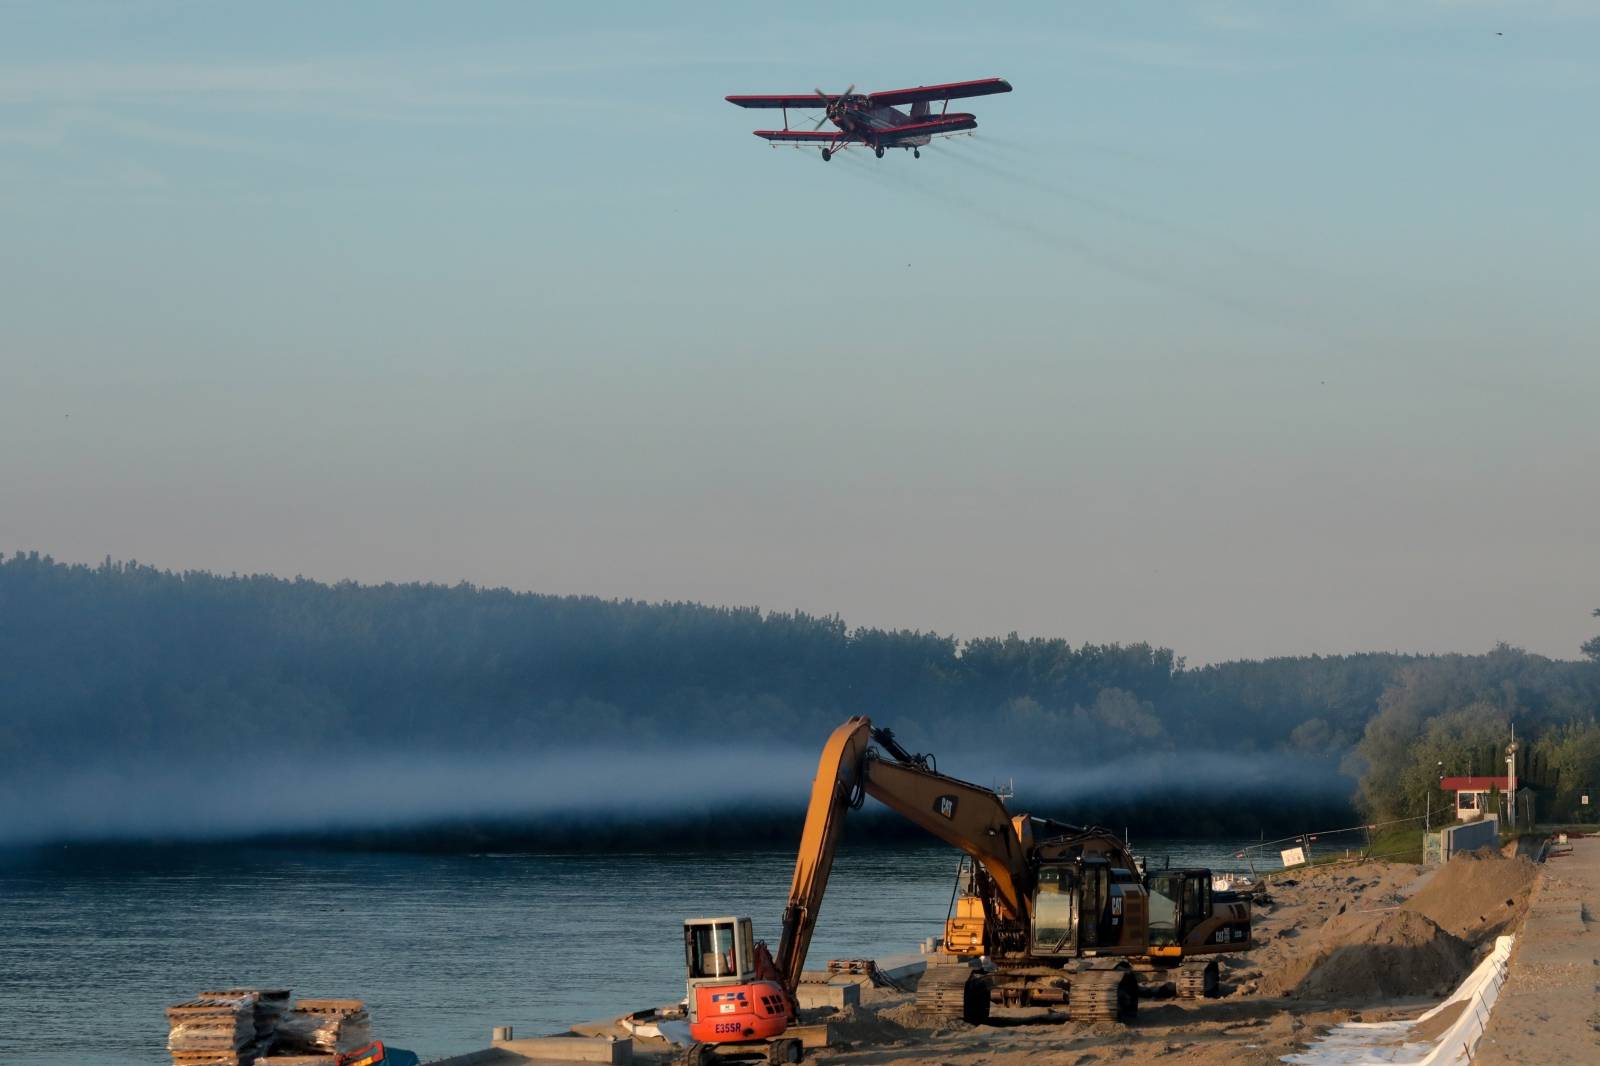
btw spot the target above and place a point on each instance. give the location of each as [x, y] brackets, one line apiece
[878, 151]
[826, 155]
[916, 153]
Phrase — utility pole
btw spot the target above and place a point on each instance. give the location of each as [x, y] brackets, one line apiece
[1427, 811]
[1511, 776]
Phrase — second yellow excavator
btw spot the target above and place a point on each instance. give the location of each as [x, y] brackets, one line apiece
[1050, 913]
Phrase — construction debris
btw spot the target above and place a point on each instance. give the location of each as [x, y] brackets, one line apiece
[271, 1004]
[325, 1025]
[867, 968]
[259, 1027]
[213, 1030]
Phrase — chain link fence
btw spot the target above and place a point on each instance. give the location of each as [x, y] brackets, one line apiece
[1353, 843]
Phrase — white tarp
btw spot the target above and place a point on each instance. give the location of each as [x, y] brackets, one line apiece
[1386, 1044]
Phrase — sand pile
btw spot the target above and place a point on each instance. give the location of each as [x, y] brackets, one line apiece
[863, 1025]
[1478, 895]
[1360, 957]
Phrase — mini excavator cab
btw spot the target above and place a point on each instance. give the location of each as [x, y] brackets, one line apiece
[736, 1006]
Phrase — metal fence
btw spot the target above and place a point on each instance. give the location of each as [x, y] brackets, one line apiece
[1351, 843]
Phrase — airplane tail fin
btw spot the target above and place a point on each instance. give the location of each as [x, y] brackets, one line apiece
[919, 109]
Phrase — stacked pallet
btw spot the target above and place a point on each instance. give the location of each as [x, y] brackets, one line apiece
[271, 1004]
[325, 1025]
[213, 1030]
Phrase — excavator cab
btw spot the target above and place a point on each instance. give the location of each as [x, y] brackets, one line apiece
[1056, 910]
[719, 948]
[1178, 900]
[1188, 917]
[736, 1006]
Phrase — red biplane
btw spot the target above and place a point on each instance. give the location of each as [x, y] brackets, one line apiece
[875, 119]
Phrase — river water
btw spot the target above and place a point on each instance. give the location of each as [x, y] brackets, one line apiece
[94, 943]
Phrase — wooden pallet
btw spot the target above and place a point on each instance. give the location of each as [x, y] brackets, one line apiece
[330, 1006]
[209, 1058]
[211, 1007]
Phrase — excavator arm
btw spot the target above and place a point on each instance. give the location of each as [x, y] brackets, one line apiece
[964, 815]
[835, 789]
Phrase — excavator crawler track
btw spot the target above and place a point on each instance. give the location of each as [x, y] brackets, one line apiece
[1103, 995]
[1198, 980]
[948, 993]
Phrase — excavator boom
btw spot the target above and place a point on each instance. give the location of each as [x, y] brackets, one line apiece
[835, 789]
[964, 815]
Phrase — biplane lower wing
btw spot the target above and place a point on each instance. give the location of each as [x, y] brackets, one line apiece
[888, 135]
[810, 136]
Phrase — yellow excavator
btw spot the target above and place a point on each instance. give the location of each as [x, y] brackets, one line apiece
[1049, 914]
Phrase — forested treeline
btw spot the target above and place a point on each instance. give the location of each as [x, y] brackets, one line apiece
[127, 662]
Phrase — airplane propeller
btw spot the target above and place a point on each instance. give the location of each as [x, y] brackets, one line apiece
[832, 108]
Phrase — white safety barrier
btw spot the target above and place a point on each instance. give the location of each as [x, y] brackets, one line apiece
[1386, 1044]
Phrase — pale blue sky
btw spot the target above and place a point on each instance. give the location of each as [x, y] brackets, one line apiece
[1243, 328]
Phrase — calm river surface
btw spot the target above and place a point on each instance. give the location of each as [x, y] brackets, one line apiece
[94, 944]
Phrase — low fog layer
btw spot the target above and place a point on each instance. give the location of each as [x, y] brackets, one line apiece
[141, 703]
[658, 788]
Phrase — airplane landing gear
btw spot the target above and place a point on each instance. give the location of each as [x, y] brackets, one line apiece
[916, 153]
[878, 151]
[826, 155]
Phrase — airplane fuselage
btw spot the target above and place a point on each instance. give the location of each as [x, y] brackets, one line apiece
[854, 115]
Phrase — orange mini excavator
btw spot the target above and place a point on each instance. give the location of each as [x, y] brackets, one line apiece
[737, 1004]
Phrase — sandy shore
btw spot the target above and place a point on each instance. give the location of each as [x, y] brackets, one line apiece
[1372, 942]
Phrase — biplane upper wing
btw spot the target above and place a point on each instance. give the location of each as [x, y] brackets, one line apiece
[933, 127]
[780, 100]
[954, 90]
[808, 136]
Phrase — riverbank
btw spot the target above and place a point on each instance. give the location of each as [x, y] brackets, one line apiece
[1371, 942]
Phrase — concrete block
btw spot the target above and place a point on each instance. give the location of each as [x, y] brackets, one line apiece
[838, 995]
[482, 1057]
[611, 1050]
[812, 1036]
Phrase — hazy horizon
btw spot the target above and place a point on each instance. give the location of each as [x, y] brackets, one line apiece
[1238, 329]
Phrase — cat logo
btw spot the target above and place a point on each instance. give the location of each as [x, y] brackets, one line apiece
[945, 806]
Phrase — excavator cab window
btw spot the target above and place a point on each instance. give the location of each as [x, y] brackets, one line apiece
[1055, 911]
[1196, 897]
[713, 949]
[1166, 895]
[1096, 904]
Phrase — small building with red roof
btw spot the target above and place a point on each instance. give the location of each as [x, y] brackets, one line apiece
[1472, 794]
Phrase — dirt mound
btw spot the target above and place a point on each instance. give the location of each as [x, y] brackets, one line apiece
[1365, 956]
[1476, 896]
[862, 1025]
